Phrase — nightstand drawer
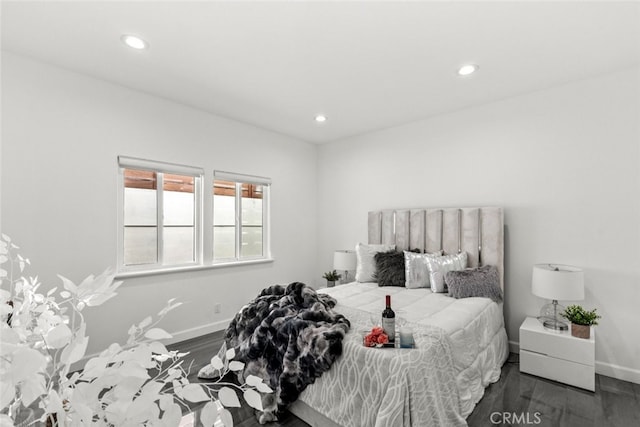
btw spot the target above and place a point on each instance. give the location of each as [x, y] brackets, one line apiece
[572, 373]
[560, 345]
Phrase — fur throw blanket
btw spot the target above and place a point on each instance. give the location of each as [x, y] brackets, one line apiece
[288, 337]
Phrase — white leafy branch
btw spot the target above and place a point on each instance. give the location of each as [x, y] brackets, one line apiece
[8, 254]
[141, 383]
[251, 388]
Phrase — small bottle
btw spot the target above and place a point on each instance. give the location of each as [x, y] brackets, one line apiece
[389, 320]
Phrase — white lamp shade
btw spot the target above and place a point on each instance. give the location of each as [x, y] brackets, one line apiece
[344, 260]
[557, 282]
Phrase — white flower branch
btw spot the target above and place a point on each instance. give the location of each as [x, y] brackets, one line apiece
[140, 383]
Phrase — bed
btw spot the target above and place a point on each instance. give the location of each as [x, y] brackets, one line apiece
[461, 344]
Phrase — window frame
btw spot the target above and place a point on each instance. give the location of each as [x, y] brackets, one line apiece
[239, 179]
[160, 168]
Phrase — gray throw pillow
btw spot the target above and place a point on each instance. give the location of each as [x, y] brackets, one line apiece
[389, 268]
[475, 282]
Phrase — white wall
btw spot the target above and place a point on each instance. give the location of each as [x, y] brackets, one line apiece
[62, 133]
[565, 165]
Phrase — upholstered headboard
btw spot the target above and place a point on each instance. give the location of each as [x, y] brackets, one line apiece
[478, 231]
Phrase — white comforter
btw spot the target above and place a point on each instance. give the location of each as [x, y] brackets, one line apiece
[464, 341]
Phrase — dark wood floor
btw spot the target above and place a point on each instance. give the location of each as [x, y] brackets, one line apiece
[516, 399]
[615, 403]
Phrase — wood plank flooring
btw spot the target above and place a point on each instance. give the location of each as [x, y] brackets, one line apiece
[615, 403]
[515, 400]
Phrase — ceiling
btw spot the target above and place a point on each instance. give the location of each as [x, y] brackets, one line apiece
[366, 65]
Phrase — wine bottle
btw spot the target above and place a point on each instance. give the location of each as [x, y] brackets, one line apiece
[389, 320]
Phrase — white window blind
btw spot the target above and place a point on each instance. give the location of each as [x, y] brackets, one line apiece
[150, 165]
[238, 177]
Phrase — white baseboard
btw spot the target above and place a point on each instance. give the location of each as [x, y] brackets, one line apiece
[618, 372]
[607, 369]
[187, 334]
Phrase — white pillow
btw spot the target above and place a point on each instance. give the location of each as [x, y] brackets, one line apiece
[438, 267]
[416, 271]
[366, 264]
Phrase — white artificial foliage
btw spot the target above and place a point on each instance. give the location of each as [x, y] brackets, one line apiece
[253, 398]
[209, 414]
[140, 383]
[217, 363]
[228, 397]
[236, 366]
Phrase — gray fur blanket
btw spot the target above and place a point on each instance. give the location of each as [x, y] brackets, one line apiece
[288, 337]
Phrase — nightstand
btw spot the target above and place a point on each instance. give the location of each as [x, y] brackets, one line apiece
[557, 355]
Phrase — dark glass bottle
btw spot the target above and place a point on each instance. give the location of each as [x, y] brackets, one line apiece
[389, 320]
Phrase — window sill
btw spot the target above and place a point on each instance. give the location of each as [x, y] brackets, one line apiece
[190, 268]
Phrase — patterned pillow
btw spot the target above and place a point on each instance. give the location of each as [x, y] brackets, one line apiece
[416, 271]
[475, 282]
[439, 266]
[389, 268]
[366, 265]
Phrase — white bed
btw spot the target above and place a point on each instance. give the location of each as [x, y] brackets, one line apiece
[461, 344]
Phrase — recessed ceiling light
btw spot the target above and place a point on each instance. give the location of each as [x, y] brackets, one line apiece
[321, 118]
[134, 42]
[465, 70]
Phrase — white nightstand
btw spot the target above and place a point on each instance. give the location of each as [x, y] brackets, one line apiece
[557, 355]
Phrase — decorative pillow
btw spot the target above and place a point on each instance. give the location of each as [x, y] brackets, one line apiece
[438, 266]
[475, 282]
[389, 268]
[415, 269]
[366, 265]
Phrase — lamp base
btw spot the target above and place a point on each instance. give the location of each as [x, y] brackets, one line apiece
[345, 277]
[550, 317]
[556, 325]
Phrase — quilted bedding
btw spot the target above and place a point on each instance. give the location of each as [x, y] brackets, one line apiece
[461, 345]
[388, 387]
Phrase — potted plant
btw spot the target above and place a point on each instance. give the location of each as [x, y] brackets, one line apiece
[332, 277]
[581, 320]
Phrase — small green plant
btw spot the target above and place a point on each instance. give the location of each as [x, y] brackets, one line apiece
[578, 315]
[332, 276]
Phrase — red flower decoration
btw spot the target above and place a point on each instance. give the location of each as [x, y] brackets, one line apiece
[375, 337]
[383, 339]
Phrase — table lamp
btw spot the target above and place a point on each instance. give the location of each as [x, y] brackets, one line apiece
[556, 282]
[344, 260]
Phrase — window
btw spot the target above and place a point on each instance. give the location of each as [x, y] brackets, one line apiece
[159, 215]
[240, 217]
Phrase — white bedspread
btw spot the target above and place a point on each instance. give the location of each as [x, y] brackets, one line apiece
[465, 343]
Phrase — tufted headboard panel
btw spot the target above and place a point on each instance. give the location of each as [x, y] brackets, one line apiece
[478, 231]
